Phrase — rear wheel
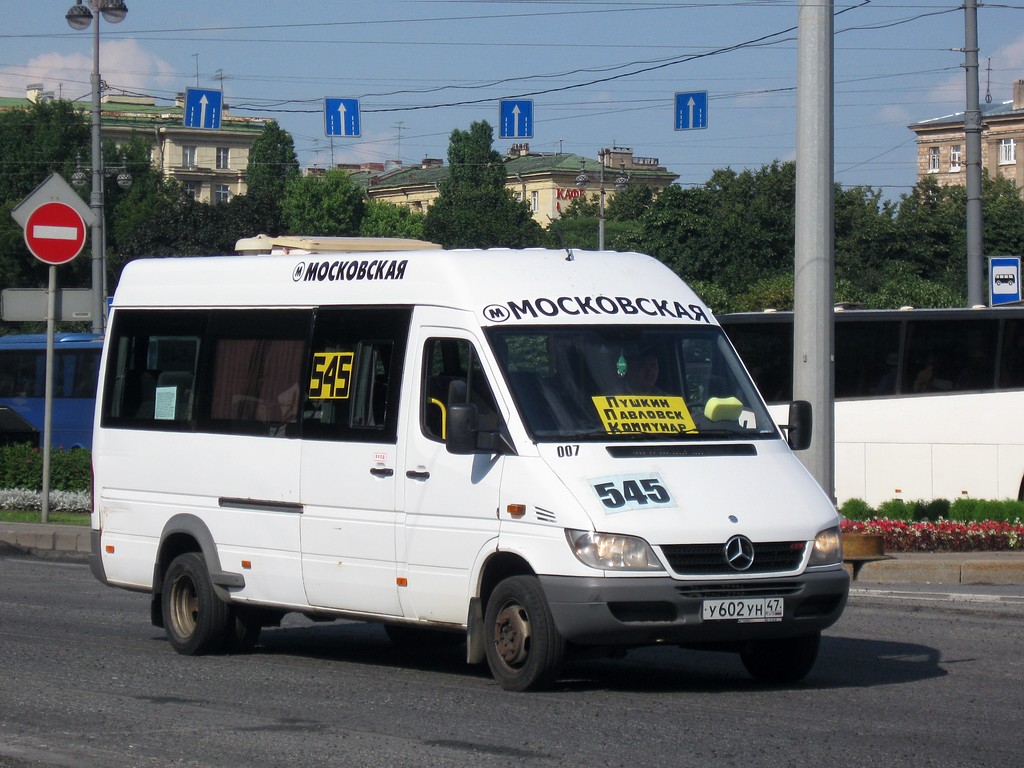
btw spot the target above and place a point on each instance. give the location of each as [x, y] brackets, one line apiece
[196, 620]
[781, 661]
[524, 648]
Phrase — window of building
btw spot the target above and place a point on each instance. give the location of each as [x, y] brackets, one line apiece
[223, 158]
[933, 160]
[534, 201]
[192, 189]
[188, 157]
[221, 193]
[955, 156]
[1007, 151]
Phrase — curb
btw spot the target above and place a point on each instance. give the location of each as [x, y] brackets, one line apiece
[70, 542]
[73, 542]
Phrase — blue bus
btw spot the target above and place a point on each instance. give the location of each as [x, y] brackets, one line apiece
[23, 388]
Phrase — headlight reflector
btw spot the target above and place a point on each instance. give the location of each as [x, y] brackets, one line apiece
[610, 551]
[828, 547]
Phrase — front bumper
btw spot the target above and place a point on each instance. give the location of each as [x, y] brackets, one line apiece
[648, 611]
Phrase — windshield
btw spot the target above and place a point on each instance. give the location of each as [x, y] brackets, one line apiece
[628, 382]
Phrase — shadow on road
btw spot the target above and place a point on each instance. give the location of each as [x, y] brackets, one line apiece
[842, 661]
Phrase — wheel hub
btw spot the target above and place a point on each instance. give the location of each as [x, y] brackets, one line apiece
[512, 634]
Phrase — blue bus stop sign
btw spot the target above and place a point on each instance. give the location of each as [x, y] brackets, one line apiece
[1003, 280]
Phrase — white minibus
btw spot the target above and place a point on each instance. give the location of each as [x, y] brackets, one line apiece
[536, 452]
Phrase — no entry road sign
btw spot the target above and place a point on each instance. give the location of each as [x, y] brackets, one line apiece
[55, 233]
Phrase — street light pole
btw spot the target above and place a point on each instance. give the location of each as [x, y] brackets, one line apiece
[600, 204]
[79, 16]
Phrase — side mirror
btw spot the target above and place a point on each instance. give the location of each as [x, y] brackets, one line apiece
[460, 437]
[799, 427]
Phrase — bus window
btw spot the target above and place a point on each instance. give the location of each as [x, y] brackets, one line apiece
[949, 356]
[256, 369]
[452, 374]
[354, 372]
[767, 351]
[1011, 369]
[867, 358]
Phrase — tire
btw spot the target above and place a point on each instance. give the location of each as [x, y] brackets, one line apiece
[524, 649]
[781, 661]
[195, 619]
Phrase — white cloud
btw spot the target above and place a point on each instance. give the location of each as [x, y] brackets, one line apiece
[124, 65]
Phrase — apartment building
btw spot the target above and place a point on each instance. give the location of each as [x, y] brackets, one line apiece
[211, 164]
[942, 148]
[548, 182]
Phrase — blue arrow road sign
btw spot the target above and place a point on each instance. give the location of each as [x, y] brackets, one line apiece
[203, 108]
[516, 119]
[691, 110]
[341, 117]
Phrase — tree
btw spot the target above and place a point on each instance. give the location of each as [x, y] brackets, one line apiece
[629, 204]
[272, 163]
[474, 208]
[390, 220]
[329, 205]
[48, 137]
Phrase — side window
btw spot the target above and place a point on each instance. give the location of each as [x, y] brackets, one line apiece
[452, 374]
[767, 351]
[152, 367]
[949, 355]
[256, 364]
[867, 358]
[355, 374]
[1011, 367]
[230, 371]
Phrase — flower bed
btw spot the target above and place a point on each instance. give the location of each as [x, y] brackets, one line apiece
[942, 535]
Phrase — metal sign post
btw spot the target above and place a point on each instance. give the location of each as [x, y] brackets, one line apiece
[54, 228]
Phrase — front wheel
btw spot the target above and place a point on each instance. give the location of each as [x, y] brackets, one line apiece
[196, 620]
[781, 661]
[524, 648]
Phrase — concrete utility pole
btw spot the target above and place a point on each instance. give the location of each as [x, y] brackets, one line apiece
[813, 360]
[972, 136]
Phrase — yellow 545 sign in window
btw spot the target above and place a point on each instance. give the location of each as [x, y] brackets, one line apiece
[332, 375]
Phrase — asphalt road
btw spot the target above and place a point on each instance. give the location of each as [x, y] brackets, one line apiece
[903, 679]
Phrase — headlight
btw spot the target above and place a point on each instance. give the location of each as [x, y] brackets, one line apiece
[609, 551]
[828, 548]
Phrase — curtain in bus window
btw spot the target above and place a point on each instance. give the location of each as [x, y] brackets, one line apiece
[257, 380]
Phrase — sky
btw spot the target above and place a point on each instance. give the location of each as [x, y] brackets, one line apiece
[599, 73]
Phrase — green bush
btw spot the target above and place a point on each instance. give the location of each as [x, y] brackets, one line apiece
[21, 466]
[961, 510]
[895, 509]
[982, 510]
[932, 510]
[856, 509]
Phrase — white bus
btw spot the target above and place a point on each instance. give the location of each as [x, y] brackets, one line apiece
[929, 402]
[532, 451]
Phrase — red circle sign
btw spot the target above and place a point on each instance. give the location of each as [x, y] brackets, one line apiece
[55, 233]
